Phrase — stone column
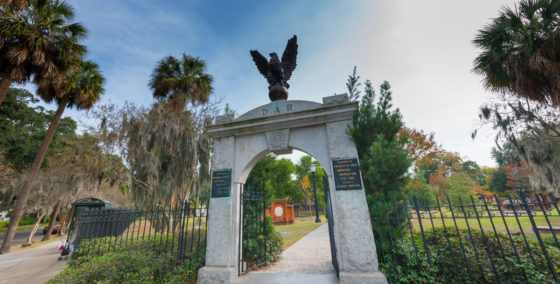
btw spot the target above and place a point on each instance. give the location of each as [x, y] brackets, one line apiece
[222, 218]
[356, 253]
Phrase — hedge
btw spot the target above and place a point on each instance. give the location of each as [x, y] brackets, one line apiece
[408, 261]
[134, 261]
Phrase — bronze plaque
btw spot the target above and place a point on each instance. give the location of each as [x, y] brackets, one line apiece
[347, 174]
[221, 183]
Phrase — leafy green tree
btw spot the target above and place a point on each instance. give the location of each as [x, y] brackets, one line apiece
[229, 110]
[460, 187]
[472, 169]
[81, 88]
[40, 40]
[353, 85]
[274, 176]
[505, 155]
[303, 170]
[424, 193]
[24, 125]
[384, 160]
[521, 51]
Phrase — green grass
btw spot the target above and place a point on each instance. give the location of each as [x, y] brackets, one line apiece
[301, 227]
[24, 227]
[486, 224]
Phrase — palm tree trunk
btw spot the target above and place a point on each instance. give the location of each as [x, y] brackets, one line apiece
[29, 240]
[5, 83]
[56, 209]
[28, 183]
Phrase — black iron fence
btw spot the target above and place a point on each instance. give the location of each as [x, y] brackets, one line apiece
[253, 231]
[307, 210]
[471, 240]
[178, 233]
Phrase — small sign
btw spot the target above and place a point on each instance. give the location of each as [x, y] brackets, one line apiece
[347, 174]
[221, 183]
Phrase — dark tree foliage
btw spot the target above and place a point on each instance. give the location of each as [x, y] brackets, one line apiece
[274, 176]
[498, 182]
[506, 154]
[521, 51]
[384, 161]
[23, 127]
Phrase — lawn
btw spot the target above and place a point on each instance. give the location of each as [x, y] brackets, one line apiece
[23, 227]
[301, 227]
[486, 223]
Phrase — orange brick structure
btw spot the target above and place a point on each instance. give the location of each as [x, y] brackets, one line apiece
[281, 212]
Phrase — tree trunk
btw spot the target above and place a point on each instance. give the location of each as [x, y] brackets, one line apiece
[5, 83]
[29, 240]
[61, 223]
[68, 221]
[56, 209]
[23, 194]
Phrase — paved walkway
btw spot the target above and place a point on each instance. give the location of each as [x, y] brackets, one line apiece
[34, 265]
[306, 261]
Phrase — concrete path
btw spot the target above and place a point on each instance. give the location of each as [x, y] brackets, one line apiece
[306, 261]
[34, 265]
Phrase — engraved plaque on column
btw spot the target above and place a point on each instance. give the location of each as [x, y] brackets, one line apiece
[221, 183]
[347, 174]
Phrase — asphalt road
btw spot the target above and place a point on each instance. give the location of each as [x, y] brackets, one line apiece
[21, 236]
[34, 265]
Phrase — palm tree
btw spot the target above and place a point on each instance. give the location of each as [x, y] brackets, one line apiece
[82, 88]
[179, 80]
[521, 51]
[39, 40]
[17, 5]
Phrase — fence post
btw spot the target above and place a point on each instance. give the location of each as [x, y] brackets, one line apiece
[547, 220]
[426, 247]
[471, 237]
[509, 235]
[543, 247]
[449, 241]
[497, 236]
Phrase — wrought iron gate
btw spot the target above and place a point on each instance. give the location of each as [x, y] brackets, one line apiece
[252, 230]
[330, 221]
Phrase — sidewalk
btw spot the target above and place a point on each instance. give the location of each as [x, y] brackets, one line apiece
[306, 261]
[34, 265]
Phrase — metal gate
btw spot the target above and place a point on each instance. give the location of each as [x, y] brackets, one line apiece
[252, 230]
[330, 221]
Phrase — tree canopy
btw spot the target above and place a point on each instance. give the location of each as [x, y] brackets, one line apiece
[521, 51]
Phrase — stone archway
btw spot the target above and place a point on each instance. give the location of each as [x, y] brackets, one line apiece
[314, 128]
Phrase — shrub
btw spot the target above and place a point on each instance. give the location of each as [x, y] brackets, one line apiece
[27, 221]
[135, 261]
[452, 262]
[4, 224]
[253, 247]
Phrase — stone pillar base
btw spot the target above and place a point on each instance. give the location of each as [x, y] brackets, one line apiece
[362, 278]
[216, 275]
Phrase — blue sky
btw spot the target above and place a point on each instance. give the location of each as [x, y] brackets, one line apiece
[423, 48]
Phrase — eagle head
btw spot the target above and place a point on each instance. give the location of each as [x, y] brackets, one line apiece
[274, 57]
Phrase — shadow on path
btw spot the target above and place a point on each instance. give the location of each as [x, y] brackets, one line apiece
[306, 261]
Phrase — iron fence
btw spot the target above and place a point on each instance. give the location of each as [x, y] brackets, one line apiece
[477, 240]
[307, 210]
[178, 233]
[253, 231]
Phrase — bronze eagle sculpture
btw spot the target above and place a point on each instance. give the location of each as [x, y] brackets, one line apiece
[277, 72]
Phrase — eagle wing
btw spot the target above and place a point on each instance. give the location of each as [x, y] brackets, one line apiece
[289, 57]
[261, 62]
